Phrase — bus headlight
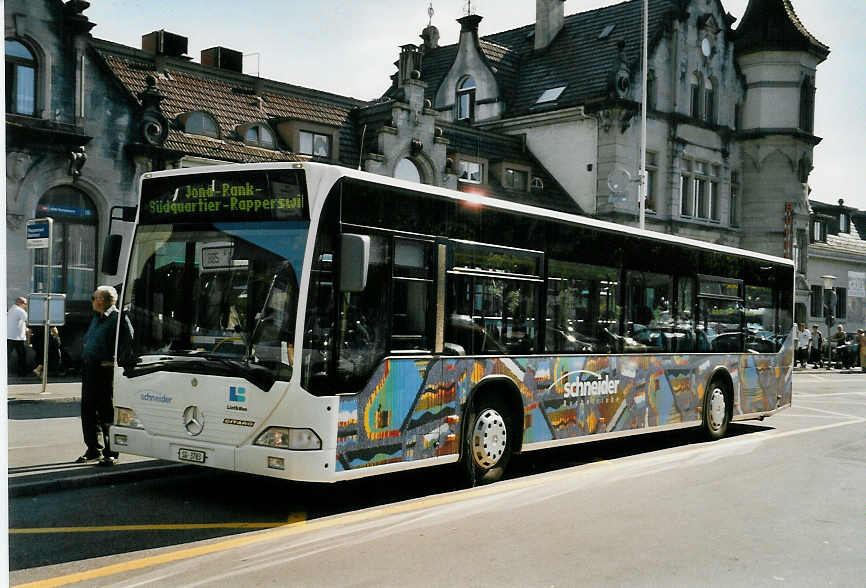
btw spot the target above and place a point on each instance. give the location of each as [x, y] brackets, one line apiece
[125, 417]
[286, 438]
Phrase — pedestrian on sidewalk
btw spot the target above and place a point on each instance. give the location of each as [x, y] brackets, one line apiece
[804, 337]
[17, 334]
[816, 348]
[861, 348]
[97, 393]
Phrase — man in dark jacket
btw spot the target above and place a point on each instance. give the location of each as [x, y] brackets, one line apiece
[97, 393]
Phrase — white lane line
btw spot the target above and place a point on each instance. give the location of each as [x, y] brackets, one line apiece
[830, 412]
[828, 394]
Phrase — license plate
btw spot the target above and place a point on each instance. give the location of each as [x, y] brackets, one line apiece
[193, 455]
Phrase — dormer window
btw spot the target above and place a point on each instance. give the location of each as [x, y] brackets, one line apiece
[20, 79]
[315, 144]
[466, 99]
[516, 179]
[844, 223]
[200, 123]
[259, 135]
[471, 172]
[819, 230]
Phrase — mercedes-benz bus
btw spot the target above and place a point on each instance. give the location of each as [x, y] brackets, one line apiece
[316, 323]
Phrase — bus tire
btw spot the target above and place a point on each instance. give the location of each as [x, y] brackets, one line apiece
[716, 410]
[487, 442]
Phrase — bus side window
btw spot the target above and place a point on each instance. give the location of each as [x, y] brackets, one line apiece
[412, 283]
[649, 324]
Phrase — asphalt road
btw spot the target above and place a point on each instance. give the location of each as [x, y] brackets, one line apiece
[777, 503]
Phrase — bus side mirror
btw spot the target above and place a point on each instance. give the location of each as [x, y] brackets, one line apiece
[111, 255]
[354, 262]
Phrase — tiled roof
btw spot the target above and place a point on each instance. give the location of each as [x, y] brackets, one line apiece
[576, 58]
[851, 243]
[771, 24]
[231, 98]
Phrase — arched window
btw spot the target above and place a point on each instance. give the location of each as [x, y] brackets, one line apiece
[406, 170]
[466, 99]
[709, 101]
[73, 263]
[260, 136]
[695, 96]
[20, 79]
[200, 123]
[807, 104]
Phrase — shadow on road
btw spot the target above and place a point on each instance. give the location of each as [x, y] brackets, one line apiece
[21, 411]
[198, 496]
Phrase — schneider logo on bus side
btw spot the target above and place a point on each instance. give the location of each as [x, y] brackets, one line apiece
[599, 386]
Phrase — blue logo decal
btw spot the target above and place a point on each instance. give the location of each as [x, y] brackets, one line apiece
[237, 394]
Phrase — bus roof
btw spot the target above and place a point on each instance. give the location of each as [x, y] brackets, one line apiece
[338, 172]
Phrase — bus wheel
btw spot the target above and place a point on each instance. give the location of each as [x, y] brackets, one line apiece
[716, 412]
[487, 445]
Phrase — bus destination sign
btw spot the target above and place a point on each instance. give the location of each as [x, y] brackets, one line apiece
[214, 197]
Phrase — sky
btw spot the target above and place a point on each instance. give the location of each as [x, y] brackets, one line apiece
[349, 47]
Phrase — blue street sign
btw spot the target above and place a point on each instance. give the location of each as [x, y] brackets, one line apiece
[38, 233]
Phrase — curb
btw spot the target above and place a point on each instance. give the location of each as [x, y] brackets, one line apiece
[15, 400]
[130, 473]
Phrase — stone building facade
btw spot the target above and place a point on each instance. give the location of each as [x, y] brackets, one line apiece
[548, 114]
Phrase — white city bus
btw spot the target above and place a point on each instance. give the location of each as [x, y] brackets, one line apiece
[311, 322]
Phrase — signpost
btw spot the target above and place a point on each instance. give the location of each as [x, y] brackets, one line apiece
[40, 233]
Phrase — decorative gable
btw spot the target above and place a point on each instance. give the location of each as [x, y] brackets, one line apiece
[470, 82]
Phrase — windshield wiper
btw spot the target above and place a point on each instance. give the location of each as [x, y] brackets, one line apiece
[209, 364]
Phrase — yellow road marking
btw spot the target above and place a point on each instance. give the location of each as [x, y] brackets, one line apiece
[297, 528]
[164, 527]
[295, 517]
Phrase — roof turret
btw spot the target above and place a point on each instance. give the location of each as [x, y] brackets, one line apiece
[773, 25]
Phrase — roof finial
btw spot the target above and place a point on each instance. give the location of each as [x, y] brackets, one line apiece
[430, 13]
[468, 7]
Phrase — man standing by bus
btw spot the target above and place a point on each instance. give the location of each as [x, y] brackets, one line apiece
[97, 394]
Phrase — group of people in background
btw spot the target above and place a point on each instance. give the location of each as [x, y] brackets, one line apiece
[97, 359]
[812, 348]
[20, 339]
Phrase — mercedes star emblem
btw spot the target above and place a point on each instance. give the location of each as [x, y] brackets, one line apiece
[193, 420]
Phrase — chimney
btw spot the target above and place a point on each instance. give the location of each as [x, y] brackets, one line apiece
[223, 58]
[549, 17]
[409, 66]
[164, 43]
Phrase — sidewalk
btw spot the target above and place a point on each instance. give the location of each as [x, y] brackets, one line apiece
[42, 459]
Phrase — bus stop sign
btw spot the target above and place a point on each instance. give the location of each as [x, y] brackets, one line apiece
[38, 233]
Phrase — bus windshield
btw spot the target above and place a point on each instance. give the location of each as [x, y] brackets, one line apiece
[219, 298]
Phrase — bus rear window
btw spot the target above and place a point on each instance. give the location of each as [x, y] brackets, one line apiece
[226, 196]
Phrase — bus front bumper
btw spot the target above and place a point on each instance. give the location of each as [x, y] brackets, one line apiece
[305, 466]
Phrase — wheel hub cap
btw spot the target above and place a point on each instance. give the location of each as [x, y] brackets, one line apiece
[717, 408]
[489, 437]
